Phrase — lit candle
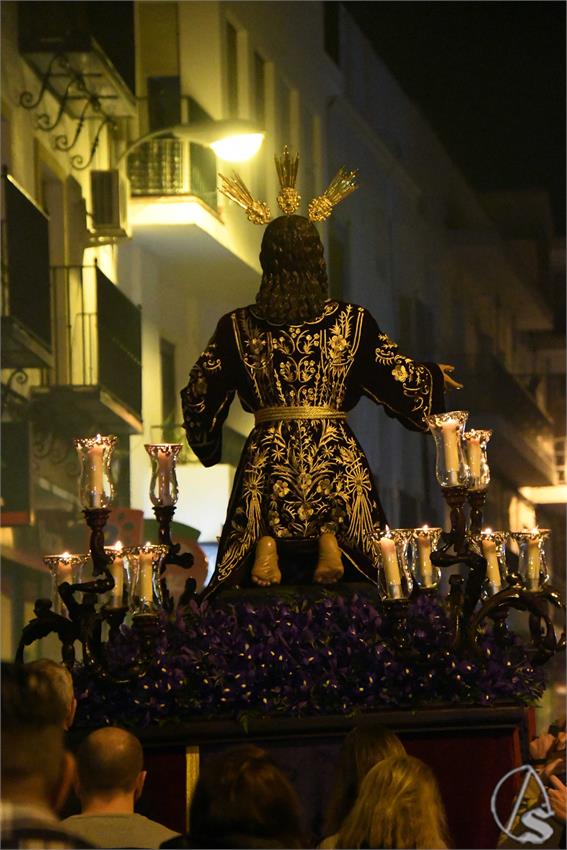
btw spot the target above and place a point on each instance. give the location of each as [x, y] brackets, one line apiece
[391, 566]
[490, 553]
[165, 461]
[95, 456]
[64, 568]
[117, 572]
[474, 456]
[534, 559]
[451, 449]
[424, 556]
[145, 585]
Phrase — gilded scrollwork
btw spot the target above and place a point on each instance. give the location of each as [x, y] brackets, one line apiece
[415, 377]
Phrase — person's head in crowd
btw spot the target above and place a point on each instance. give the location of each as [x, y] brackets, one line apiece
[243, 798]
[36, 770]
[110, 771]
[362, 748]
[399, 806]
[62, 682]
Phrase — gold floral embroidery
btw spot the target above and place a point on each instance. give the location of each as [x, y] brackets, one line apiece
[415, 378]
[400, 373]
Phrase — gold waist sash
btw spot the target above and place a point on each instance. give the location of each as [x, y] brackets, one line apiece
[282, 414]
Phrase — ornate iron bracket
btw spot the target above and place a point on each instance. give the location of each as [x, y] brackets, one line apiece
[75, 88]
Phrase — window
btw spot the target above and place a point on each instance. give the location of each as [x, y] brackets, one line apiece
[232, 70]
[164, 102]
[331, 31]
[169, 397]
[259, 89]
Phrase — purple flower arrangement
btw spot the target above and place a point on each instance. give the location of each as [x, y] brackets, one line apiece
[302, 657]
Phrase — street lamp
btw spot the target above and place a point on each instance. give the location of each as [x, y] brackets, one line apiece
[234, 140]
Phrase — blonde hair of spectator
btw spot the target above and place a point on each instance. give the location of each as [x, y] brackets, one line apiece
[362, 748]
[399, 806]
[62, 682]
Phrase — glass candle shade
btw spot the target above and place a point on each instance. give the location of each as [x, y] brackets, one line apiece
[425, 541]
[64, 567]
[118, 596]
[475, 448]
[533, 566]
[493, 547]
[392, 550]
[146, 591]
[451, 468]
[96, 488]
[163, 486]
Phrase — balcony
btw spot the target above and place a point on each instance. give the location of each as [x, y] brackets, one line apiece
[172, 167]
[26, 314]
[97, 378]
[522, 446]
[59, 41]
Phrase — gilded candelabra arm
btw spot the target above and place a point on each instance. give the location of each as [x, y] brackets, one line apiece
[465, 593]
[96, 519]
[456, 498]
[542, 629]
[396, 612]
[47, 622]
[164, 515]
[455, 602]
[477, 499]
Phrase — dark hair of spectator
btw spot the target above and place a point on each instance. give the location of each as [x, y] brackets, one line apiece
[243, 795]
[109, 760]
[32, 734]
[362, 748]
[294, 280]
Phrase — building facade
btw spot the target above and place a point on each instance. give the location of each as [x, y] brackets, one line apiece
[136, 256]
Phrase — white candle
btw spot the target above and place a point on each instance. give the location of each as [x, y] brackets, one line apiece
[165, 461]
[451, 450]
[65, 568]
[145, 583]
[534, 560]
[474, 456]
[95, 455]
[117, 573]
[492, 566]
[391, 566]
[424, 557]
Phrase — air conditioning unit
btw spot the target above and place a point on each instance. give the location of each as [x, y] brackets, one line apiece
[109, 192]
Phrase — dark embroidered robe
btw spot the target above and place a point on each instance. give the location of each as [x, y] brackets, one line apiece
[299, 477]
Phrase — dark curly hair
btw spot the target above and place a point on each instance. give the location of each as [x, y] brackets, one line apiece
[294, 279]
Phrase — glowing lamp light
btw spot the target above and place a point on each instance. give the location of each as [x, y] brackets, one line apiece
[238, 148]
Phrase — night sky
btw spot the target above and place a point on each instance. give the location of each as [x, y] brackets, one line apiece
[490, 79]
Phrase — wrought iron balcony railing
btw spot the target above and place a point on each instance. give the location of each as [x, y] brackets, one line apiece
[97, 338]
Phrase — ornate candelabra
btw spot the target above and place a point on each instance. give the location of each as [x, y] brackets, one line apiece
[490, 587]
[131, 582]
[125, 581]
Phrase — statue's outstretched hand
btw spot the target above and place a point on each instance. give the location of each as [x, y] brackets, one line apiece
[449, 382]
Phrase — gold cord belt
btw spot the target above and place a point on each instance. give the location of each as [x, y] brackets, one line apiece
[282, 414]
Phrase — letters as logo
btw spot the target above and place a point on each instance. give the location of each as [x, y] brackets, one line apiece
[534, 820]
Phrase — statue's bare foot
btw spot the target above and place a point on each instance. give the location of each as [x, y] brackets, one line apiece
[266, 570]
[329, 567]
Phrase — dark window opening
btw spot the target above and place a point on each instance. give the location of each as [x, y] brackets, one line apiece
[259, 89]
[331, 30]
[232, 69]
[169, 396]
